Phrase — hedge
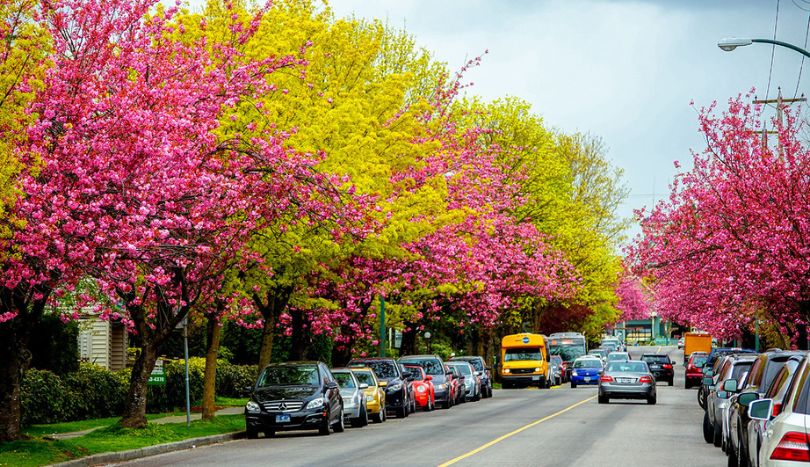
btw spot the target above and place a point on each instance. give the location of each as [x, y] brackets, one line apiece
[94, 392]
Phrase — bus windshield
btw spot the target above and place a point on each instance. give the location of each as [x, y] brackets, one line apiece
[568, 348]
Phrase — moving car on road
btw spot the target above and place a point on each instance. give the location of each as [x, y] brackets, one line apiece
[294, 396]
[424, 393]
[627, 380]
[569, 346]
[660, 367]
[375, 393]
[434, 366]
[354, 397]
[586, 370]
[618, 357]
[525, 360]
[397, 397]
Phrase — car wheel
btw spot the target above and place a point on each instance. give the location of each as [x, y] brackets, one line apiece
[380, 417]
[402, 412]
[251, 433]
[362, 420]
[731, 457]
[339, 426]
[324, 429]
[573, 385]
[671, 381]
[652, 400]
[269, 434]
[707, 428]
[742, 456]
[604, 400]
[701, 402]
[687, 384]
[718, 435]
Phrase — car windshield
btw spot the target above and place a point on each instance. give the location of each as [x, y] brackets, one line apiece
[431, 366]
[512, 355]
[386, 370]
[416, 372]
[344, 379]
[364, 377]
[464, 369]
[476, 363]
[616, 357]
[770, 373]
[628, 367]
[655, 359]
[588, 363]
[303, 375]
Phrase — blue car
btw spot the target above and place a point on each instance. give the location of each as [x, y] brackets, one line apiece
[586, 370]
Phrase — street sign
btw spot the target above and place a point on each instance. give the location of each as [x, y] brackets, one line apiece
[158, 376]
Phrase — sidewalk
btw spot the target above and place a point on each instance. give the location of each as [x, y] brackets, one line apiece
[169, 419]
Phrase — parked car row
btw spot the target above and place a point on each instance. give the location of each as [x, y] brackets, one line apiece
[308, 395]
[756, 405]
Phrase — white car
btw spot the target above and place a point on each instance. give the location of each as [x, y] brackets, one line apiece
[786, 440]
[680, 343]
[354, 397]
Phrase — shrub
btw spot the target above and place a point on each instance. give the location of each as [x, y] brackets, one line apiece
[44, 398]
[232, 379]
[95, 392]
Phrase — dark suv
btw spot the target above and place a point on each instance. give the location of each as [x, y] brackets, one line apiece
[434, 366]
[294, 396]
[660, 367]
[481, 370]
[397, 397]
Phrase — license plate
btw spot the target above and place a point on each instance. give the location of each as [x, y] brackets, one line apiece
[587, 379]
[283, 418]
[535, 378]
[624, 380]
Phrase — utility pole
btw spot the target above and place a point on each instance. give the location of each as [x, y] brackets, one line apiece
[781, 104]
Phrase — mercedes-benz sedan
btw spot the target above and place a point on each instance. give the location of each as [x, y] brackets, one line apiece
[627, 380]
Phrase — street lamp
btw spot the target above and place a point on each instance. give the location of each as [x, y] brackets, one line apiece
[730, 43]
[427, 336]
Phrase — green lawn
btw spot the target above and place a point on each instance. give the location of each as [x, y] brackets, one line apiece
[231, 401]
[39, 431]
[113, 438]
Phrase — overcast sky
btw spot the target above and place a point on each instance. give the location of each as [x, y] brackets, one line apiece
[622, 70]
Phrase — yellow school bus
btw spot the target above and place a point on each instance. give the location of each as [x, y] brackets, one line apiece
[525, 360]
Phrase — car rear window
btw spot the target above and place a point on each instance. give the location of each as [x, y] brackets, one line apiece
[699, 361]
[631, 367]
[655, 359]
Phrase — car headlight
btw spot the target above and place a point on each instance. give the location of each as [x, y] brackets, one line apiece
[574, 373]
[537, 370]
[507, 370]
[394, 387]
[421, 389]
[441, 387]
[315, 403]
[253, 407]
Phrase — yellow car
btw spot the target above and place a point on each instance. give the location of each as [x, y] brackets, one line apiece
[375, 393]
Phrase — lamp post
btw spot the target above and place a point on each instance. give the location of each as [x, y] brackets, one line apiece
[730, 43]
[427, 337]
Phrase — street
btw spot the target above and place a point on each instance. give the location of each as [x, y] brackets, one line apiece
[556, 427]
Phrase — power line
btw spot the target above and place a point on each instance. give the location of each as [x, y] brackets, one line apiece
[773, 49]
[798, 81]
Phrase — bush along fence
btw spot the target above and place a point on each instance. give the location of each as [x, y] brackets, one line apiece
[95, 392]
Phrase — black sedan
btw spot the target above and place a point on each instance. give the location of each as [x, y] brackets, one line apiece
[294, 396]
[627, 380]
[660, 367]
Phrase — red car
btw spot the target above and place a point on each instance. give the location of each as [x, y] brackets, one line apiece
[694, 368]
[423, 391]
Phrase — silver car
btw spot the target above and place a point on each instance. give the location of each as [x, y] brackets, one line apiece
[472, 383]
[354, 397]
[734, 368]
[627, 380]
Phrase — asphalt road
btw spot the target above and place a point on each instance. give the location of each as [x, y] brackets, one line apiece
[556, 427]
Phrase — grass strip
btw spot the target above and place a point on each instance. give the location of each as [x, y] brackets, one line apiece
[112, 438]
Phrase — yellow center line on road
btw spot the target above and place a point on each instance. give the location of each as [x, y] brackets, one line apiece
[513, 433]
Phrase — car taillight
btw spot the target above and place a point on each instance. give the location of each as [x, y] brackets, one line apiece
[667, 366]
[777, 408]
[606, 379]
[645, 379]
[792, 447]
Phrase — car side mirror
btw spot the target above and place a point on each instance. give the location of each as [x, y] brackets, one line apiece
[406, 374]
[332, 385]
[383, 384]
[708, 381]
[761, 409]
[722, 394]
[363, 386]
[247, 390]
[747, 398]
[730, 385]
[428, 378]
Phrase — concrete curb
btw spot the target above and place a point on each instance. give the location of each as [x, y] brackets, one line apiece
[121, 456]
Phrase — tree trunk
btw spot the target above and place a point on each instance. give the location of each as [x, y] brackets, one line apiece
[298, 345]
[210, 378]
[135, 409]
[12, 366]
[408, 346]
[276, 302]
[268, 334]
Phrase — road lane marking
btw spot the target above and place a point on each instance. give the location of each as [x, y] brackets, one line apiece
[513, 433]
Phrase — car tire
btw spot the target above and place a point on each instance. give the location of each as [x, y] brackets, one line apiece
[700, 399]
[604, 400]
[731, 457]
[362, 420]
[402, 412]
[325, 428]
[671, 382]
[652, 400]
[269, 434]
[380, 417]
[708, 433]
[718, 435]
[251, 433]
[686, 384]
[573, 385]
[339, 426]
